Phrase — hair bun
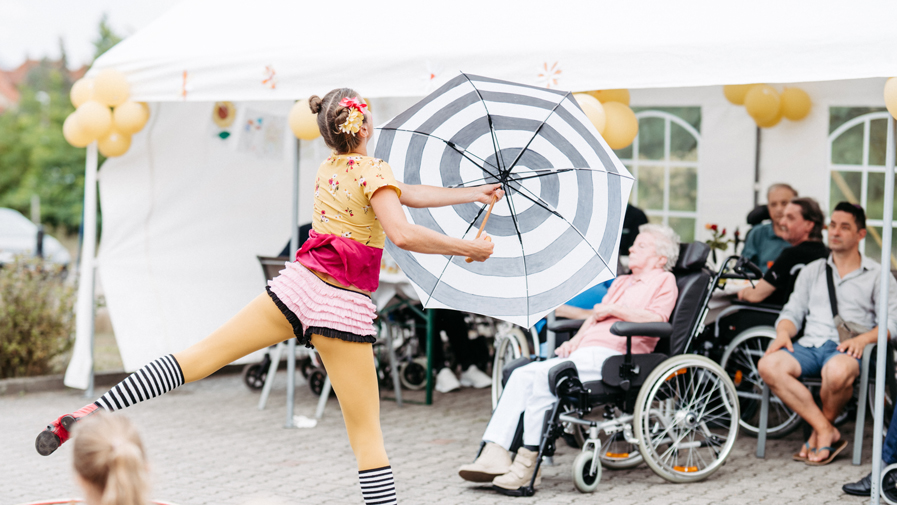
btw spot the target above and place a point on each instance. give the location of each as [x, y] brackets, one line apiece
[314, 103]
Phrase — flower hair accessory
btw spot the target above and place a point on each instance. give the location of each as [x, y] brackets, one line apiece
[356, 115]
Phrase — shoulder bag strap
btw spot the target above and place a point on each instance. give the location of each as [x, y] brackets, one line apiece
[832, 298]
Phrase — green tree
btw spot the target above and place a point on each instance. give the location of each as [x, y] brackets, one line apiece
[35, 159]
[107, 38]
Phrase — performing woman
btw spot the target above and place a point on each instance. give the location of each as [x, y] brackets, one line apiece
[324, 297]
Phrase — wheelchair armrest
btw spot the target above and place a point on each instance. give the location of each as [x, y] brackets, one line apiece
[559, 371]
[659, 330]
[565, 325]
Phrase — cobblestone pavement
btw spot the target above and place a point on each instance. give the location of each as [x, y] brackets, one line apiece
[208, 444]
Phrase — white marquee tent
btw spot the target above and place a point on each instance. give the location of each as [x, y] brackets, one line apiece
[184, 215]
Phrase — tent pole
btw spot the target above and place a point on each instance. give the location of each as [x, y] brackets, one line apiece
[294, 246]
[882, 311]
[87, 280]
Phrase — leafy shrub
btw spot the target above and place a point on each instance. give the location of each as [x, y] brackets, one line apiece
[36, 317]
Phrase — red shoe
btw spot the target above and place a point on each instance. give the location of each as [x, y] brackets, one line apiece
[58, 432]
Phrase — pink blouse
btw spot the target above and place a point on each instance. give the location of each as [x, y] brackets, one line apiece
[655, 291]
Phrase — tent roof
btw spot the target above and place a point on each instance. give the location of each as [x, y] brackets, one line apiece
[204, 50]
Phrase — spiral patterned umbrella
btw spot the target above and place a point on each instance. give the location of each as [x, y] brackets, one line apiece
[557, 230]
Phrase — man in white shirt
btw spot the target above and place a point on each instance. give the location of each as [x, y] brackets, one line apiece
[820, 352]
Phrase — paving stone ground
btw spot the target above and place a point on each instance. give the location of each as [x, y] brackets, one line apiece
[208, 444]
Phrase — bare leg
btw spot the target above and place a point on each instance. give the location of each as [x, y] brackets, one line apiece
[780, 371]
[838, 376]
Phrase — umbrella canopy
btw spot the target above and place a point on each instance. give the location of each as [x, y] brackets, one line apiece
[557, 230]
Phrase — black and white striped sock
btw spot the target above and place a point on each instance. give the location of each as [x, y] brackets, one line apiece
[156, 378]
[377, 486]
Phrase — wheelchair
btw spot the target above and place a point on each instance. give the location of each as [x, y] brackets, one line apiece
[676, 411]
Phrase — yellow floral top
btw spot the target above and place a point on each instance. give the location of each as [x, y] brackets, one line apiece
[343, 189]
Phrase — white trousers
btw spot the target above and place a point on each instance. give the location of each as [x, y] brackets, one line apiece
[527, 392]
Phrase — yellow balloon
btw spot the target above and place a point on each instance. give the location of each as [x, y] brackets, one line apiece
[796, 104]
[114, 144]
[891, 96]
[94, 118]
[81, 91]
[110, 87]
[772, 122]
[622, 125]
[611, 95]
[762, 102]
[303, 123]
[73, 132]
[593, 109]
[735, 92]
[145, 107]
[129, 117]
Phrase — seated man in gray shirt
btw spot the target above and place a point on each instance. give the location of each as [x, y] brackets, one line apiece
[819, 353]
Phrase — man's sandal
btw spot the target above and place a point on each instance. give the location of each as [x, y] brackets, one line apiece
[797, 457]
[833, 452]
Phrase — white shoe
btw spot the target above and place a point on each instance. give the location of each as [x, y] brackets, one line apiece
[446, 381]
[473, 377]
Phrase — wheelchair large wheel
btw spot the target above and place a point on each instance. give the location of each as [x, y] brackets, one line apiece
[585, 478]
[740, 363]
[686, 418]
[618, 454]
[511, 345]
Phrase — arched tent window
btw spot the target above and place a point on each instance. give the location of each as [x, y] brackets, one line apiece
[664, 159]
[856, 159]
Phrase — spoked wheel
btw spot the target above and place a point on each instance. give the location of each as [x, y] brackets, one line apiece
[888, 490]
[740, 363]
[316, 381]
[511, 345]
[586, 475]
[686, 418]
[413, 375]
[618, 454]
[254, 375]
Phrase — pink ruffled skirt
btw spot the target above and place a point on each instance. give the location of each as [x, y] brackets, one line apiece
[314, 307]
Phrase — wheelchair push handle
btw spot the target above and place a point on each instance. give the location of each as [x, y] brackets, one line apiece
[743, 269]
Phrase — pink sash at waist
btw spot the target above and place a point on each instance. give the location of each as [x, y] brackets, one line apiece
[350, 262]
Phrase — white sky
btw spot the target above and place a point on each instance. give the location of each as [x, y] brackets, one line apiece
[32, 28]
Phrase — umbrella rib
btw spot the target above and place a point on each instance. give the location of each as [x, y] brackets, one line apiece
[536, 200]
[449, 262]
[495, 144]
[454, 146]
[536, 133]
[513, 211]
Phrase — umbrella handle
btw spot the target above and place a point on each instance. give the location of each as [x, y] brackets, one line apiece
[482, 226]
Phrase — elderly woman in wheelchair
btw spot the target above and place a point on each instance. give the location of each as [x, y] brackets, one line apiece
[646, 296]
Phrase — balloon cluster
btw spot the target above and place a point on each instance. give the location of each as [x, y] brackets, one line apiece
[93, 120]
[766, 105]
[891, 96]
[609, 112]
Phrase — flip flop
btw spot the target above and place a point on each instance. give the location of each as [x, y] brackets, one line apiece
[832, 453]
[797, 457]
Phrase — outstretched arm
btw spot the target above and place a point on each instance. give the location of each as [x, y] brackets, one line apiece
[418, 238]
[422, 196]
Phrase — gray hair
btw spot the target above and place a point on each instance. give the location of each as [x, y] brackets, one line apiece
[666, 243]
[781, 185]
